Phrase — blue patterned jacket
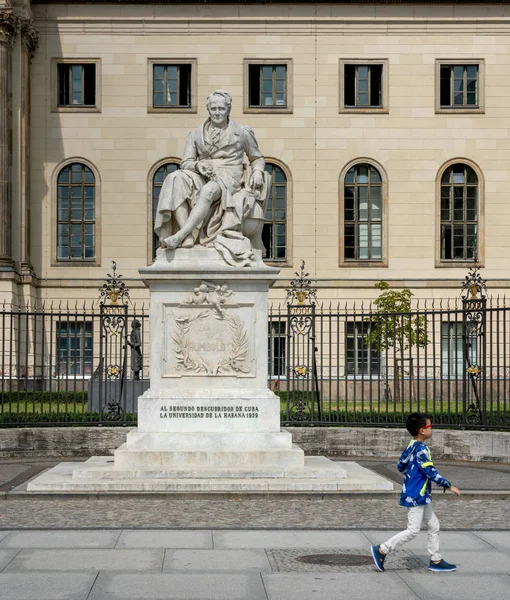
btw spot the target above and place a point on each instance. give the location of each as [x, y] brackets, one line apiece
[418, 468]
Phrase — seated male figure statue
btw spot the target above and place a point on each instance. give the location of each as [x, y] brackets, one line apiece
[215, 199]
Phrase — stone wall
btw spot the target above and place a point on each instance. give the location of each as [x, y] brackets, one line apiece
[333, 441]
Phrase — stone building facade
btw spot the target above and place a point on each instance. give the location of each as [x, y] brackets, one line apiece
[385, 126]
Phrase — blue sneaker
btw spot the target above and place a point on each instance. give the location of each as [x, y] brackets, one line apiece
[378, 557]
[442, 566]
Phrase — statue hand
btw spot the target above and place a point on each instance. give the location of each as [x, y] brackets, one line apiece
[257, 180]
[205, 169]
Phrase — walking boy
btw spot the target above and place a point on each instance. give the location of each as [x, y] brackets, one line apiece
[416, 464]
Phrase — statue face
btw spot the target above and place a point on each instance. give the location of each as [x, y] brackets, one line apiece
[218, 110]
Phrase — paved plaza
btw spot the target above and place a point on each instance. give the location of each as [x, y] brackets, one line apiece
[248, 547]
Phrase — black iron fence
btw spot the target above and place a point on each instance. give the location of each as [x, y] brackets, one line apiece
[355, 366]
[62, 365]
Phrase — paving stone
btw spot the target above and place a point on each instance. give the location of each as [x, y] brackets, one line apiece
[61, 539]
[289, 560]
[449, 540]
[216, 560]
[6, 556]
[289, 539]
[498, 539]
[87, 560]
[165, 539]
[179, 586]
[490, 561]
[333, 586]
[46, 586]
[438, 586]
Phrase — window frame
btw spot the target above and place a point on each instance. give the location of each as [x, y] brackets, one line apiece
[456, 263]
[289, 87]
[192, 62]
[54, 82]
[287, 261]
[461, 109]
[277, 340]
[83, 262]
[384, 108]
[368, 263]
[150, 221]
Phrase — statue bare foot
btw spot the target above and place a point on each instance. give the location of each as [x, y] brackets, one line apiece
[172, 242]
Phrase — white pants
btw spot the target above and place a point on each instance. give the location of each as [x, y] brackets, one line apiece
[415, 516]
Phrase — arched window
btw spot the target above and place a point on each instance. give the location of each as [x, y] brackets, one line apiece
[363, 213]
[274, 233]
[459, 213]
[157, 183]
[76, 213]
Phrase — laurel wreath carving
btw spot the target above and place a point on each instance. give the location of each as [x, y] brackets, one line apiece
[233, 360]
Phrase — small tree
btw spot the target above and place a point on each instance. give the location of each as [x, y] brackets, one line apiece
[392, 325]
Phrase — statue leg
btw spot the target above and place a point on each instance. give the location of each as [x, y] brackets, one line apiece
[181, 215]
[207, 196]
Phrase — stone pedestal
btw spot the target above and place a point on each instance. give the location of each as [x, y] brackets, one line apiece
[208, 422]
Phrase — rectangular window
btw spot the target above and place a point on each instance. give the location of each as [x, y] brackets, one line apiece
[276, 348]
[171, 86]
[267, 85]
[361, 358]
[459, 85]
[363, 85]
[77, 84]
[454, 348]
[74, 348]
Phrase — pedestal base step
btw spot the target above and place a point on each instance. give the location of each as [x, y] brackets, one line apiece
[98, 474]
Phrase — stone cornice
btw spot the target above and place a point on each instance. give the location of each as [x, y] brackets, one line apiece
[274, 26]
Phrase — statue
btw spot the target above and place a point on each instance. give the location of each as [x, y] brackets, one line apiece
[135, 343]
[215, 199]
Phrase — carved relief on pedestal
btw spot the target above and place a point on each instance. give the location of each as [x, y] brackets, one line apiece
[208, 334]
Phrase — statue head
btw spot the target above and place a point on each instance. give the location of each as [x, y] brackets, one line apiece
[219, 104]
[135, 324]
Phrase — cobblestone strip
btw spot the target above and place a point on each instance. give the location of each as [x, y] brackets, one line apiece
[370, 511]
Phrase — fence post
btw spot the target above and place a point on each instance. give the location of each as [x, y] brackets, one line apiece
[474, 316]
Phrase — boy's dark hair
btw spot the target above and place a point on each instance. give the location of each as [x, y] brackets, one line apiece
[415, 421]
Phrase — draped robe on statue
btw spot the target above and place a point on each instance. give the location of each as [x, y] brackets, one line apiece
[224, 149]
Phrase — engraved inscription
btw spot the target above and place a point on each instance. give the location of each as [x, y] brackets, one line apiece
[209, 412]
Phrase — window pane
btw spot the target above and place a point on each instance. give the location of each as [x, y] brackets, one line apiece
[375, 203]
[363, 203]
[349, 178]
[349, 85]
[362, 242]
[374, 176]
[458, 204]
[63, 176]
[444, 86]
[376, 242]
[471, 176]
[349, 242]
[349, 204]
[362, 174]
[445, 203]
[458, 174]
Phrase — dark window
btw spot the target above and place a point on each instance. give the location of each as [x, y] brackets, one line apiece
[276, 351]
[274, 232]
[459, 213]
[157, 183]
[458, 86]
[76, 213]
[363, 86]
[171, 86]
[76, 84]
[74, 348]
[361, 357]
[362, 213]
[267, 86]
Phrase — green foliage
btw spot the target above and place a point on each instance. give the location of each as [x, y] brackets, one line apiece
[393, 323]
[58, 397]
